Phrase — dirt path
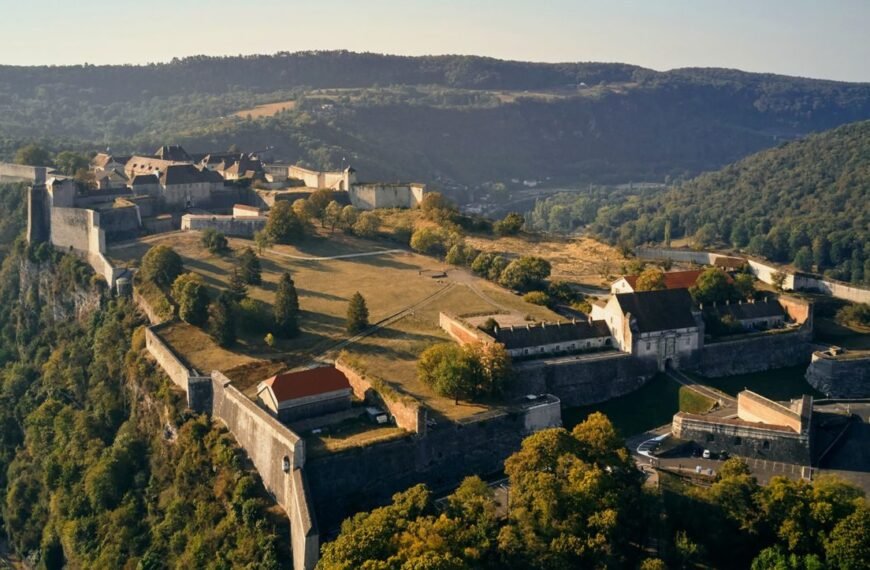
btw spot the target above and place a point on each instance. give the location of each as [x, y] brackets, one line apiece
[722, 398]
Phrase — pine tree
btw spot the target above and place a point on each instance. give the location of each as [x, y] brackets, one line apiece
[286, 307]
[237, 288]
[223, 320]
[249, 264]
[357, 314]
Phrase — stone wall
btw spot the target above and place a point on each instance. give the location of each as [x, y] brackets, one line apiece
[408, 413]
[840, 376]
[366, 477]
[583, 380]
[172, 364]
[69, 228]
[373, 196]
[741, 439]
[756, 353]
[279, 457]
[24, 173]
[161, 225]
[121, 223]
[752, 407]
[461, 331]
[764, 271]
[228, 225]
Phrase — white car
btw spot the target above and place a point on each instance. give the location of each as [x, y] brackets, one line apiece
[706, 454]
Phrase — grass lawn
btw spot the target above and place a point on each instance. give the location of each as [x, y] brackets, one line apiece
[651, 406]
[781, 385]
[353, 432]
[389, 282]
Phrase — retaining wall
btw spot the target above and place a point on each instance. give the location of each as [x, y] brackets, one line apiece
[461, 331]
[840, 376]
[229, 225]
[756, 353]
[409, 415]
[579, 381]
[22, 172]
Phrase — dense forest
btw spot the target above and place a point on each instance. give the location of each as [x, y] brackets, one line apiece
[100, 466]
[806, 202]
[457, 120]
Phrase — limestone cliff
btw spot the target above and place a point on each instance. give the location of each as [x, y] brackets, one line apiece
[59, 291]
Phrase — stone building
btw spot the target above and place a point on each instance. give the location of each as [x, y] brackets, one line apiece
[655, 325]
[296, 395]
[762, 429]
[540, 339]
[765, 314]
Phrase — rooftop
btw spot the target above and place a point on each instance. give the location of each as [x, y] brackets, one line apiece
[664, 310]
[673, 279]
[748, 310]
[539, 334]
[304, 383]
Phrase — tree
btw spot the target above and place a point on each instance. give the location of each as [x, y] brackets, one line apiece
[367, 225]
[357, 314]
[223, 320]
[349, 216]
[848, 546]
[461, 254]
[33, 155]
[332, 215]
[448, 370]
[744, 283]
[192, 298]
[510, 225]
[537, 298]
[264, 241]
[305, 210]
[651, 279]
[284, 224]
[237, 288]
[249, 267]
[803, 260]
[319, 200]
[778, 278]
[713, 285]
[430, 241]
[161, 265]
[214, 241]
[525, 273]
[70, 163]
[286, 307]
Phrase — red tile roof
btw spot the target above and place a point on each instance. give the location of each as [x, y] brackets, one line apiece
[293, 385]
[674, 279]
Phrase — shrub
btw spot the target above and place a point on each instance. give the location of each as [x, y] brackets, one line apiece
[537, 298]
[527, 272]
[255, 316]
[161, 265]
[509, 225]
[214, 241]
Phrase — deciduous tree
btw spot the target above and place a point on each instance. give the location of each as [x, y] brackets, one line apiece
[161, 265]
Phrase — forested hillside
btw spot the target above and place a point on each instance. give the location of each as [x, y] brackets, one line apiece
[805, 202]
[100, 467]
[450, 119]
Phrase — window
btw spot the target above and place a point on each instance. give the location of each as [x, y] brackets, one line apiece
[710, 437]
[648, 345]
[737, 440]
[765, 444]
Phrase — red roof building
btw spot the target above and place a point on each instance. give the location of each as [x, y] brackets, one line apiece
[673, 280]
[305, 393]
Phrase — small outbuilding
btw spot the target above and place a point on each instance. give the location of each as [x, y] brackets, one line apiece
[306, 393]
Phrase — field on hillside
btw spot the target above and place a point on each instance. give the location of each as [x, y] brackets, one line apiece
[396, 285]
[266, 110]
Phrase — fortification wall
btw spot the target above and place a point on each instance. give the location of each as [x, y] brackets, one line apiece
[756, 353]
[278, 455]
[409, 414]
[461, 331]
[24, 173]
[120, 223]
[168, 361]
[742, 440]
[161, 225]
[69, 228]
[229, 225]
[373, 196]
[764, 272]
[366, 477]
[754, 408]
[579, 381]
[845, 376]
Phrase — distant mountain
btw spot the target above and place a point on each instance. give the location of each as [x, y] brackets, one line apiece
[455, 120]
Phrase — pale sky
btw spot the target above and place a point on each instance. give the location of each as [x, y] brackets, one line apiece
[824, 38]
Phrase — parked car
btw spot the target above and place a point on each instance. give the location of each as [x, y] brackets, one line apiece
[707, 454]
[377, 416]
[723, 455]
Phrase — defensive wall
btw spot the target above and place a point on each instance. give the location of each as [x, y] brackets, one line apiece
[245, 226]
[407, 412]
[583, 379]
[752, 407]
[764, 272]
[460, 330]
[23, 173]
[745, 439]
[756, 352]
[379, 195]
[840, 374]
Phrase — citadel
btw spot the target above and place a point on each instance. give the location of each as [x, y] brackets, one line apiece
[628, 337]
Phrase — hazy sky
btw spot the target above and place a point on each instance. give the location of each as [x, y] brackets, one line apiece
[824, 38]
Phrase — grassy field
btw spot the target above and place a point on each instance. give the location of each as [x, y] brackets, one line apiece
[266, 110]
[782, 384]
[651, 406]
[390, 283]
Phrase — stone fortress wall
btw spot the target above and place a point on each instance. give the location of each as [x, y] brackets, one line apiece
[245, 226]
[23, 173]
[380, 195]
[840, 374]
[764, 272]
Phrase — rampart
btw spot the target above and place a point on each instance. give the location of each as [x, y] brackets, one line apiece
[230, 225]
[461, 331]
[765, 272]
[756, 352]
[408, 413]
[24, 173]
[585, 379]
[753, 407]
[379, 195]
[841, 375]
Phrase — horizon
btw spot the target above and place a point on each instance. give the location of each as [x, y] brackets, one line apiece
[798, 39]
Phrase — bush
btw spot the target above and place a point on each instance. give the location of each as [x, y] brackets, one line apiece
[858, 314]
[214, 241]
[161, 265]
[527, 272]
[461, 254]
[509, 225]
[430, 241]
[537, 298]
[255, 316]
